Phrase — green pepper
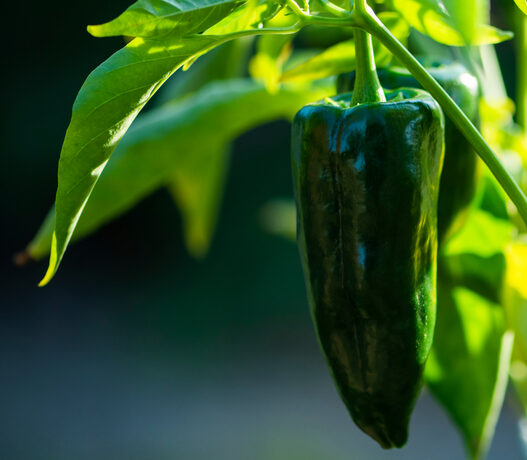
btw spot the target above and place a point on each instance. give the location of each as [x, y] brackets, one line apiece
[460, 169]
[366, 181]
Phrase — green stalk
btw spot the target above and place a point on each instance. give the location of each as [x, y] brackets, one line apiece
[521, 76]
[367, 86]
[371, 23]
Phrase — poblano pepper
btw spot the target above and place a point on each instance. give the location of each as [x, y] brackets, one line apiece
[366, 181]
[459, 177]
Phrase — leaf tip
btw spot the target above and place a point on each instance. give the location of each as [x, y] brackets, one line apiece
[47, 277]
[22, 258]
[54, 261]
[95, 31]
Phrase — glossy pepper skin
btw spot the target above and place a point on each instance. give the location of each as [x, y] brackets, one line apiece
[460, 169]
[366, 181]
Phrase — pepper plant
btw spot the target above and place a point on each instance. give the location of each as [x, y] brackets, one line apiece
[108, 164]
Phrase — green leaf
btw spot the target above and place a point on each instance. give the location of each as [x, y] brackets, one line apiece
[515, 293]
[491, 197]
[247, 16]
[176, 138]
[156, 18]
[109, 100]
[197, 185]
[336, 59]
[226, 61]
[515, 303]
[272, 52]
[467, 370]
[457, 26]
[483, 235]
[197, 188]
[466, 15]
[468, 367]
[340, 58]
[522, 5]
[475, 256]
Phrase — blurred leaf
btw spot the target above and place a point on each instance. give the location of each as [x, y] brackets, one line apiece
[298, 57]
[226, 61]
[516, 277]
[515, 303]
[495, 114]
[469, 364]
[467, 15]
[337, 59]
[340, 58]
[179, 135]
[197, 187]
[474, 257]
[467, 370]
[491, 197]
[454, 27]
[320, 37]
[278, 217]
[197, 184]
[272, 52]
[509, 140]
[483, 235]
[522, 5]
[155, 18]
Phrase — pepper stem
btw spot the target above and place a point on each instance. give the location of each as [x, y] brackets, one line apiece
[367, 86]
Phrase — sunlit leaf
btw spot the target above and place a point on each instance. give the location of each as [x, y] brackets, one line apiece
[509, 141]
[175, 138]
[515, 303]
[467, 370]
[482, 235]
[155, 18]
[467, 15]
[271, 53]
[432, 18]
[495, 114]
[522, 5]
[109, 100]
[250, 15]
[337, 59]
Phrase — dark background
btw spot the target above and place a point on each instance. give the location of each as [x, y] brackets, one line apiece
[136, 351]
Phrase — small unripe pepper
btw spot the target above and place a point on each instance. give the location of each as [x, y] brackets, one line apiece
[460, 168]
[366, 179]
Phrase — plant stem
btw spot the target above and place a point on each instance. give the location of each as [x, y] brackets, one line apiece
[334, 9]
[521, 75]
[371, 23]
[295, 8]
[367, 86]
